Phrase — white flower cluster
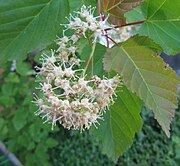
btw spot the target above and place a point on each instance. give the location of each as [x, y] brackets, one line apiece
[84, 21]
[68, 97]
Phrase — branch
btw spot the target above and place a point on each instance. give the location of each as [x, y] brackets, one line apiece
[9, 155]
[124, 25]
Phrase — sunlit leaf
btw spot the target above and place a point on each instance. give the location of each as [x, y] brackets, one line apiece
[145, 73]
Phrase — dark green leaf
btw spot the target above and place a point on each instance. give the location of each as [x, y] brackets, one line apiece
[50, 142]
[121, 122]
[7, 101]
[30, 24]
[19, 119]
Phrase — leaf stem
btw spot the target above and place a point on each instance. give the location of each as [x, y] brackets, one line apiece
[123, 25]
[114, 41]
[90, 57]
[92, 66]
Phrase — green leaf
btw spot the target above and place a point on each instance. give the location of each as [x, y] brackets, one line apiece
[27, 25]
[117, 8]
[9, 89]
[23, 68]
[162, 23]
[7, 101]
[135, 15]
[19, 119]
[145, 73]
[121, 122]
[12, 77]
[75, 5]
[50, 143]
[41, 153]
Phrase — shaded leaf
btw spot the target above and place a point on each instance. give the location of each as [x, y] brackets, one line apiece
[23, 68]
[6, 101]
[117, 8]
[50, 143]
[146, 74]
[19, 119]
[25, 26]
[121, 122]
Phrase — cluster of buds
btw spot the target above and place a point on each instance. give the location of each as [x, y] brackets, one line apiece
[69, 97]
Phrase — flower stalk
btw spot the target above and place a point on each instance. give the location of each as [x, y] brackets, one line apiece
[89, 58]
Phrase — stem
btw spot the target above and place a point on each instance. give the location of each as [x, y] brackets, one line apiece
[89, 59]
[89, 41]
[123, 25]
[92, 66]
[114, 42]
[107, 39]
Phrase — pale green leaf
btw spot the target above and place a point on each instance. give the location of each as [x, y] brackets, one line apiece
[145, 73]
[30, 24]
[120, 124]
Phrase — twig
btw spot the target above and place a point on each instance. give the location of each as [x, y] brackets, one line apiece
[9, 155]
[123, 25]
[114, 42]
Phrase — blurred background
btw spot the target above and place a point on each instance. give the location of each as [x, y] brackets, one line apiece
[35, 144]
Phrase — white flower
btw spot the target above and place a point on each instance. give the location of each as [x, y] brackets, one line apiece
[68, 96]
[68, 72]
[45, 87]
[55, 101]
[58, 72]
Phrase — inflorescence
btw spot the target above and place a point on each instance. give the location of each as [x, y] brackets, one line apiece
[68, 96]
